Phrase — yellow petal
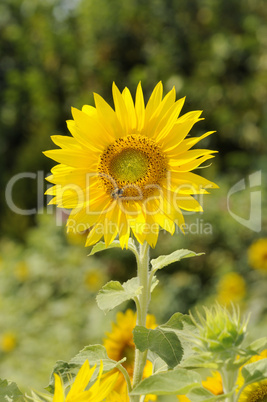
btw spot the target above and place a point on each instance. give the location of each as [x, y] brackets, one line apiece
[130, 110]
[108, 117]
[59, 391]
[64, 141]
[120, 108]
[140, 107]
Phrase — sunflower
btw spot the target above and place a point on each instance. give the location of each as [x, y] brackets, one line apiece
[257, 255]
[231, 289]
[98, 392]
[119, 344]
[256, 392]
[129, 169]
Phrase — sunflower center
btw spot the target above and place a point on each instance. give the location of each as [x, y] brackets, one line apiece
[259, 394]
[133, 167]
[130, 165]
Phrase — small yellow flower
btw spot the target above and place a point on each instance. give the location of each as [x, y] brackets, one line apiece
[257, 255]
[8, 342]
[119, 344]
[129, 169]
[231, 289]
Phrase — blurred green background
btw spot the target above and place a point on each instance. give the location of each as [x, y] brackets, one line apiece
[54, 55]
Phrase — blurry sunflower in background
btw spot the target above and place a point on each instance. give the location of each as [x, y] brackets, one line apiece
[231, 288]
[119, 344]
[257, 255]
[128, 169]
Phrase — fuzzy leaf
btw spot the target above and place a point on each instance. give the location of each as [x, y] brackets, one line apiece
[254, 372]
[177, 255]
[197, 361]
[113, 293]
[164, 343]
[258, 345]
[9, 392]
[101, 246]
[200, 394]
[178, 381]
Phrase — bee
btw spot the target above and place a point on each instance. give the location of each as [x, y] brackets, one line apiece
[117, 193]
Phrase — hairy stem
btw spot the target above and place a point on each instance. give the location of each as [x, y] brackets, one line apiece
[144, 299]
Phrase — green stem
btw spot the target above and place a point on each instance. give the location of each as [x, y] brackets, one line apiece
[144, 299]
[229, 378]
[126, 376]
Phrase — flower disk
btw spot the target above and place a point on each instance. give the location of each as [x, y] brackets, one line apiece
[129, 169]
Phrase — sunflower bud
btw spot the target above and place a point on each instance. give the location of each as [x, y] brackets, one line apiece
[220, 331]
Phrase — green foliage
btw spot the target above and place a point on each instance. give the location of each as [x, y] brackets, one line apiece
[164, 343]
[100, 246]
[255, 372]
[10, 392]
[203, 395]
[113, 293]
[178, 381]
[176, 256]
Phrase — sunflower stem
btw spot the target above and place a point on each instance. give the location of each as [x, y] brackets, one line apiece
[144, 299]
[229, 380]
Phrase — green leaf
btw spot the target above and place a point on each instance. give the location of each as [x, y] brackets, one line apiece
[258, 345]
[179, 321]
[10, 392]
[255, 372]
[154, 283]
[200, 394]
[100, 246]
[177, 255]
[197, 361]
[113, 293]
[178, 381]
[158, 364]
[92, 353]
[164, 343]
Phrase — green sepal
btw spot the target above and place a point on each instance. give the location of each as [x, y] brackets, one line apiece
[93, 353]
[177, 255]
[9, 391]
[173, 382]
[114, 293]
